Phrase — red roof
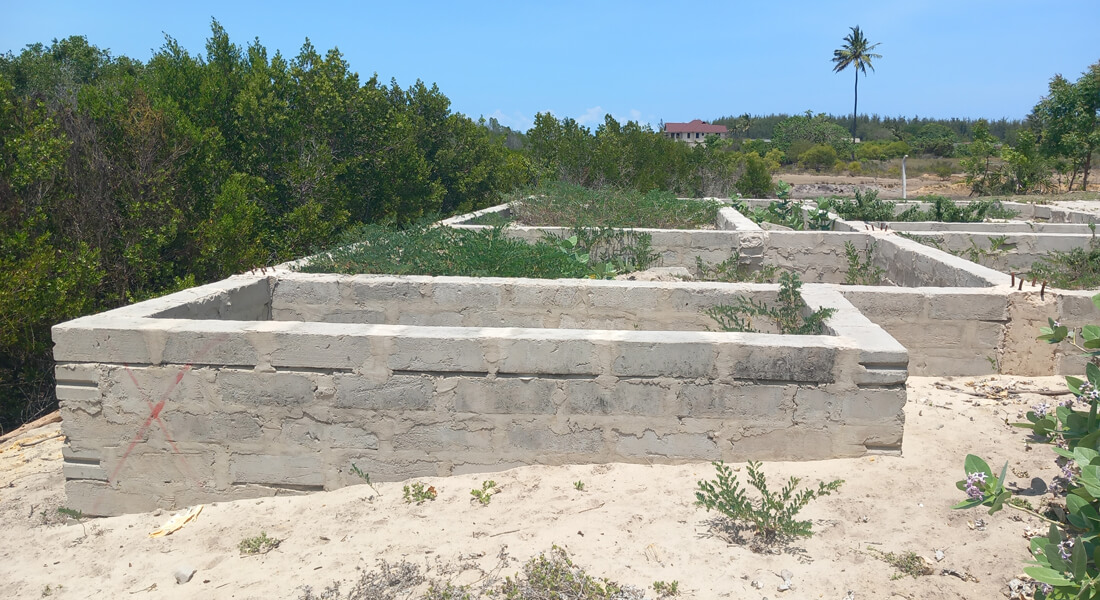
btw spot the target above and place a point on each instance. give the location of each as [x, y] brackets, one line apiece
[695, 126]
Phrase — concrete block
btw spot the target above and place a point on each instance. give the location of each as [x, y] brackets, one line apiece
[443, 437]
[398, 393]
[547, 356]
[245, 388]
[539, 437]
[672, 445]
[436, 351]
[527, 395]
[624, 397]
[217, 427]
[269, 469]
[686, 360]
[986, 306]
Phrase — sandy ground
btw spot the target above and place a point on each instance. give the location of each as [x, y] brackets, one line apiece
[634, 524]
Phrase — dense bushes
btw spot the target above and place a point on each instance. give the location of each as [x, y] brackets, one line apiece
[120, 180]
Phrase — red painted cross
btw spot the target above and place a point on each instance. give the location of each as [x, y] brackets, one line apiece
[154, 415]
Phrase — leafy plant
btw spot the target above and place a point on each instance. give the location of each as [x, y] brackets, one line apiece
[732, 271]
[772, 515]
[787, 213]
[416, 492]
[365, 477]
[866, 206]
[862, 271]
[578, 485]
[666, 589]
[787, 316]
[946, 210]
[756, 181]
[1078, 269]
[1065, 560]
[486, 493]
[819, 218]
[260, 544]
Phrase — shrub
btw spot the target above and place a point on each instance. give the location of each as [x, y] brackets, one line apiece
[786, 317]
[942, 169]
[773, 515]
[756, 181]
[818, 158]
[866, 206]
[1078, 269]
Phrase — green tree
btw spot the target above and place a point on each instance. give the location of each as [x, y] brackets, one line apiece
[856, 53]
[795, 135]
[1067, 119]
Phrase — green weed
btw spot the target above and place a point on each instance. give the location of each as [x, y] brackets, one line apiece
[773, 515]
[787, 316]
[907, 563]
[416, 492]
[260, 544]
[862, 271]
[365, 477]
[486, 493]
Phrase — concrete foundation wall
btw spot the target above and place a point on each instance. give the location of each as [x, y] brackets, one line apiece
[168, 411]
[1018, 251]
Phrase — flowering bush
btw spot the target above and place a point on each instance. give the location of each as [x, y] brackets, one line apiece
[1065, 560]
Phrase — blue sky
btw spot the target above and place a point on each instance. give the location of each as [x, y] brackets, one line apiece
[646, 61]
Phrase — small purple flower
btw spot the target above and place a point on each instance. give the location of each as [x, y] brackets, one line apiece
[1064, 548]
[1046, 588]
[1041, 410]
[974, 484]
[1069, 470]
[1057, 323]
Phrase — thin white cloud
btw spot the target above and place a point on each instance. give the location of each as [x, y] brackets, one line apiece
[592, 116]
[516, 120]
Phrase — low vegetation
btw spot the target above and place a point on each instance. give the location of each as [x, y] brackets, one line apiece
[427, 250]
[260, 544]
[786, 316]
[772, 515]
[560, 204]
[550, 575]
[1078, 269]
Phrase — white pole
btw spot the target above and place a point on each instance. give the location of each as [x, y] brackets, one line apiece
[903, 194]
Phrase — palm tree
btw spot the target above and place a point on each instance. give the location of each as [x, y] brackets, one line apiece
[855, 52]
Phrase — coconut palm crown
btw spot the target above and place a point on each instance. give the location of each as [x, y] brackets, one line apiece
[855, 52]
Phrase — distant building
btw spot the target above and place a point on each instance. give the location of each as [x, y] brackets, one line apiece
[694, 132]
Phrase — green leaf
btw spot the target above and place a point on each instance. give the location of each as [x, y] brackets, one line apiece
[1093, 374]
[1088, 443]
[1079, 560]
[975, 464]
[1074, 384]
[970, 503]
[1090, 332]
[1048, 576]
[1096, 301]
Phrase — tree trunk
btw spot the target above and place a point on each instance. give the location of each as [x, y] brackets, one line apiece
[855, 108]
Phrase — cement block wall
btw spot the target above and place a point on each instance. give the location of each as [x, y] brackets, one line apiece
[167, 405]
[1018, 251]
